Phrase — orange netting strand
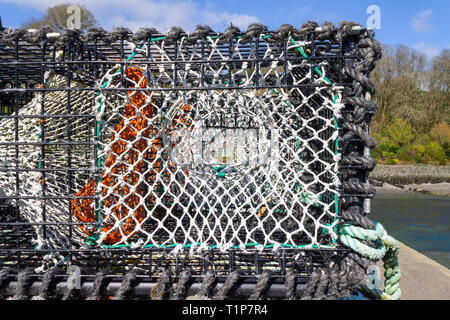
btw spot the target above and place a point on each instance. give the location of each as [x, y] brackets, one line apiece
[137, 123]
[129, 212]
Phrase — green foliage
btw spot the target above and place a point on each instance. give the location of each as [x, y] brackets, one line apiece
[406, 154]
[400, 133]
[418, 152]
[424, 151]
[446, 147]
[387, 147]
[423, 139]
[391, 162]
[376, 153]
[435, 151]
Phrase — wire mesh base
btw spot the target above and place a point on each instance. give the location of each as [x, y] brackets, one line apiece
[286, 270]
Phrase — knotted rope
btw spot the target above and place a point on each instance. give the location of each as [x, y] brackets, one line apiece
[387, 249]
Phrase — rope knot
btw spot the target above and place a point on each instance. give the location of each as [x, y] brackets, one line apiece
[174, 34]
[143, 34]
[228, 35]
[201, 31]
[95, 33]
[38, 35]
[120, 33]
[281, 33]
[307, 27]
[253, 31]
[15, 35]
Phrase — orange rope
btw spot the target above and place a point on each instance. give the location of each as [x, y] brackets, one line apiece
[129, 167]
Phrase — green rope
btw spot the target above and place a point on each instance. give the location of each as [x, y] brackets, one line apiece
[215, 246]
[387, 250]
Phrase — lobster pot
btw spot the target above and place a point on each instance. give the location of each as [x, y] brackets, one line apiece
[207, 151]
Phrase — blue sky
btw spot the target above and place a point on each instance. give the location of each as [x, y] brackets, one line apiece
[419, 24]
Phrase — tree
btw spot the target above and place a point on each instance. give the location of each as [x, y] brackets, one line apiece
[57, 18]
[440, 73]
[412, 120]
[400, 132]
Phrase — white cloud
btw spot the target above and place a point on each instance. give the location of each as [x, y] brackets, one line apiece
[162, 14]
[428, 49]
[421, 22]
[223, 19]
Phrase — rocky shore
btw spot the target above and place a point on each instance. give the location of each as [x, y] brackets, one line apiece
[411, 178]
[439, 189]
[410, 174]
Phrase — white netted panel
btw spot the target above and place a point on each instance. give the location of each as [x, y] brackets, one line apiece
[189, 154]
[182, 166]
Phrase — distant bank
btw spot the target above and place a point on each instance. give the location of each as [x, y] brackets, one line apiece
[412, 178]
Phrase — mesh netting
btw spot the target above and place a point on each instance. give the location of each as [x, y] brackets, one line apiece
[236, 151]
[218, 167]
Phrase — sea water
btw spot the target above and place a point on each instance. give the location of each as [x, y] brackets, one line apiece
[420, 221]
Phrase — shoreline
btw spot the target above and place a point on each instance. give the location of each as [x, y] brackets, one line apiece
[438, 189]
[410, 174]
[426, 179]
